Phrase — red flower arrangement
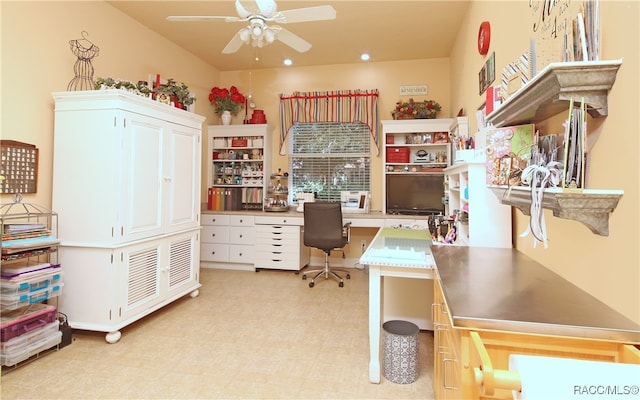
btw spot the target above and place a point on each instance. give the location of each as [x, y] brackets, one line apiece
[413, 109]
[226, 100]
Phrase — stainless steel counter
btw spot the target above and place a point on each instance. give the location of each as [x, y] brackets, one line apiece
[503, 289]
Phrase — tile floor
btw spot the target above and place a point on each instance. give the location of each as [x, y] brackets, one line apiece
[249, 335]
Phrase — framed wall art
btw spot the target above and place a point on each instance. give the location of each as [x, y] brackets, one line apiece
[487, 74]
[18, 167]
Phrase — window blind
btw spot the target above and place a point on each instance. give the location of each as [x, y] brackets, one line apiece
[327, 158]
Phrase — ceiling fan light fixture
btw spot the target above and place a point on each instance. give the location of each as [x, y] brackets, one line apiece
[269, 35]
[245, 35]
[364, 56]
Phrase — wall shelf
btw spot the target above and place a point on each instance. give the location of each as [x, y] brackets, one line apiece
[589, 206]
[550, 91]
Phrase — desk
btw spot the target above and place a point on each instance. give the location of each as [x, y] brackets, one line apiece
[395, 260]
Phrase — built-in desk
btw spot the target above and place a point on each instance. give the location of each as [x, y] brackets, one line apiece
[230, 239]
[505, 290]
[402, 253]
[492, 303]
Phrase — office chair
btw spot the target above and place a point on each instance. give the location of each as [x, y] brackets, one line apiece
[324, 230]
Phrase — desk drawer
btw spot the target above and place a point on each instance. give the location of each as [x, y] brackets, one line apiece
[215, 234]
[241, 220]
[215, 219]
[279, 220]
[278, 261]
[241, 254]
[214, 252]
[241, 235]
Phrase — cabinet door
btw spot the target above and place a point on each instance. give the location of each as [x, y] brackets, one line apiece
[140, 278]
[183, 264]
[142, 175]
[181, 177]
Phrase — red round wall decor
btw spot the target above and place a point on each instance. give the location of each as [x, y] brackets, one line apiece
[484, 37]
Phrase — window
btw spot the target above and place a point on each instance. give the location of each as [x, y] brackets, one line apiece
[327, 158]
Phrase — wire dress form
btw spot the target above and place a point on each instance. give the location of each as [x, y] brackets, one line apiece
[85, 50]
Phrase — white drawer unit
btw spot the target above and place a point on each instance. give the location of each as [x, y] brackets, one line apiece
[280, 247]
[227, 241]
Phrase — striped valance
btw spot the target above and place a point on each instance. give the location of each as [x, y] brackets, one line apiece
[337, 106]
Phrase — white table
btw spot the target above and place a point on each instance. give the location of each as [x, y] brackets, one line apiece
[403, 253]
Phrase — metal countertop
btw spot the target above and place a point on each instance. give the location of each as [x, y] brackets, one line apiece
[503, 289]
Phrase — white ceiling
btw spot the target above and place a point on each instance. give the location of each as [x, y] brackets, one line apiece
[387, 30]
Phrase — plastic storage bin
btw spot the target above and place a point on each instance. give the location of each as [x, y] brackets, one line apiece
[25, 319]
[400, 351]
[46, 339]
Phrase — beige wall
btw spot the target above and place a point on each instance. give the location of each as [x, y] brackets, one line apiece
[606, 267]
[36, 60]
[266, 85]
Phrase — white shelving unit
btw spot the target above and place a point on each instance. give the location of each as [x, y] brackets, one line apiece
[30, 276]
[239, 166]
[481, 219]
[419, 148]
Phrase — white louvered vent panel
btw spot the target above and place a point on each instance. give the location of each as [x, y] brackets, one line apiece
[143, 275]
[180, 262]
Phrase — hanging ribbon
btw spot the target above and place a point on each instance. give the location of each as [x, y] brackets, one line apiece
[336, 106]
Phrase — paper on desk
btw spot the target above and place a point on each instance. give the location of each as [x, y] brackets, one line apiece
[545, 378]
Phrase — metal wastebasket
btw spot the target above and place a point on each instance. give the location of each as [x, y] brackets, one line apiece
[400, 340]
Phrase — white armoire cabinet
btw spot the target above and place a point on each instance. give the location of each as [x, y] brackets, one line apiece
[126, 176]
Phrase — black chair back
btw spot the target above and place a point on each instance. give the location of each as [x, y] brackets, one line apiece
[323, 228]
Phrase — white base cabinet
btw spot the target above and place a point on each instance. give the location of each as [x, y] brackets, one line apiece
[126, 181]
[280, 247]
[228, 241]
[107, 289]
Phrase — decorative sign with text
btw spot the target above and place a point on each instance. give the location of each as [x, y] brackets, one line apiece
[552, 30]
[413, 90]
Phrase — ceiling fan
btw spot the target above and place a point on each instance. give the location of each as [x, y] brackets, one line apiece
[257, 33]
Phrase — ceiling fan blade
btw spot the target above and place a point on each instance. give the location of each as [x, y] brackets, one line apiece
[292, 40]
[242, 12]
[267, 7]
[320, 13]
[189, 18]
[234, 45]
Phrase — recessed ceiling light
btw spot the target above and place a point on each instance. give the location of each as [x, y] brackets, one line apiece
[287, 61]
[364, 57]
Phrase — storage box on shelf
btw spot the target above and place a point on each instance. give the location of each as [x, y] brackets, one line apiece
[29, 276]
[420, 148]
[240, 156]
[544, 96]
